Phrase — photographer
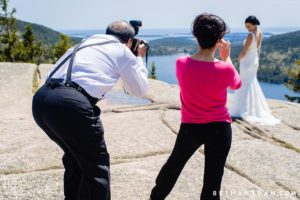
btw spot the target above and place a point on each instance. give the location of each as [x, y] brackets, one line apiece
[65, 106]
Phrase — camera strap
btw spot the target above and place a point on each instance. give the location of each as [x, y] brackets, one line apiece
[147, 52]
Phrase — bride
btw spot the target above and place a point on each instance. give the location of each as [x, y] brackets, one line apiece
[249, 102]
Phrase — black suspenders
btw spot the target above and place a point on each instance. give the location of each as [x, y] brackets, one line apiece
[72, 57]
[52, 81]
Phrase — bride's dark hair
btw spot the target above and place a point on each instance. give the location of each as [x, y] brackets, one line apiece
[252, 20]
[208, 29]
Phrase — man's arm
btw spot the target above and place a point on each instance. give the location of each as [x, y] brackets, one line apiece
[135, 77]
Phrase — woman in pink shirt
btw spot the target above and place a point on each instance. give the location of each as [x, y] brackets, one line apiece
[205, 120]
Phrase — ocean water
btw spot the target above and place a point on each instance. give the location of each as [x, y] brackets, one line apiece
[165, 70]
[150, 34]
[165, 65]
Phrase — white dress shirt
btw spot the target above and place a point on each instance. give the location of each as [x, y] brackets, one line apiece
[98, 68]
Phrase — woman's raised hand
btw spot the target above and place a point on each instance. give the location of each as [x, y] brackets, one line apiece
[224, 50]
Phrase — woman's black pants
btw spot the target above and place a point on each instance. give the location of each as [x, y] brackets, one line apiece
[216, 138]
[69, 118]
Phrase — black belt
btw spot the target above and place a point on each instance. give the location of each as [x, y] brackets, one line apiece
[60, 82]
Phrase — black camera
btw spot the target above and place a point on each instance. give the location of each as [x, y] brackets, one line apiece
[136, 25]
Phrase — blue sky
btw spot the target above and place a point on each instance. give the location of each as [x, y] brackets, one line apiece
[96, 14]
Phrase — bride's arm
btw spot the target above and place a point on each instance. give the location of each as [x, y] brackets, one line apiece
[260, 39]
[246, 47]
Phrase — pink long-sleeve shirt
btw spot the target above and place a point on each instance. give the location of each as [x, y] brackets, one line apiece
[203, 89]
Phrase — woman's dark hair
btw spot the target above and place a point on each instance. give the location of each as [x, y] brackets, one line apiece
[252, 20]
[208, 29]
[121, 29]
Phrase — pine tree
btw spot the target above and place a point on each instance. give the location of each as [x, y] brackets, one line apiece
[153, 71]
[28, 42]
[61, 47]
[8, 35]
[32, 49]
[294, 83]
[38, 53]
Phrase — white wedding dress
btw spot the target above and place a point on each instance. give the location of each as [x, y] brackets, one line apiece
[249, 102]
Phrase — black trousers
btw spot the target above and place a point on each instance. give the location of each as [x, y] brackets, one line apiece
[72, 121]
[216, 137]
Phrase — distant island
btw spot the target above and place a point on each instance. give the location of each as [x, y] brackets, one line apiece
[279, 52]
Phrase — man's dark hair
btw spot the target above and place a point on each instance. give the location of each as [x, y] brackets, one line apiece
[252, 20]
[209, 29]
[121, 29]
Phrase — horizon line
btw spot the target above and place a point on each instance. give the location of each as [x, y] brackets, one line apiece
[91, 29]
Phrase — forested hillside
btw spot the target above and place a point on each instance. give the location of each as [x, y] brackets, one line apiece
[42, 33]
